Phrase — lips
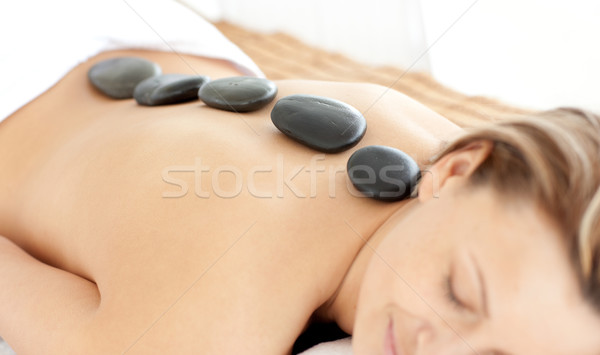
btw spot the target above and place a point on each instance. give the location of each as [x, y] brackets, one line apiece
[389, 343]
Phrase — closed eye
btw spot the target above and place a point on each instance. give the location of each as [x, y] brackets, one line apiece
[451, 294]
[464, 285]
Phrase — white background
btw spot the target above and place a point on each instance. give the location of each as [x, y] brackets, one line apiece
[533, 53]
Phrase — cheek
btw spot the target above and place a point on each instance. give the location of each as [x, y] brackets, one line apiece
[405, 274]
[372, 314]
[401, 282]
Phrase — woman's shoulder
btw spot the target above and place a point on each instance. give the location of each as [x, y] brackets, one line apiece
[374, 101]
[393, 118]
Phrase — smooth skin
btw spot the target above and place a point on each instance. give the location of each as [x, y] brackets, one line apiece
[186, 229]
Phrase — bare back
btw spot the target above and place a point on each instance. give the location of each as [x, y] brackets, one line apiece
[187, 226]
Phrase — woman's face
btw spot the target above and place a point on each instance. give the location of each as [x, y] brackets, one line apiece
[471, 273]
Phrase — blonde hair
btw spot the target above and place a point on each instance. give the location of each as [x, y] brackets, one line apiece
[553, 159]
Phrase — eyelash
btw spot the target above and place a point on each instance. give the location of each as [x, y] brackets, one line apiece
[450, 295]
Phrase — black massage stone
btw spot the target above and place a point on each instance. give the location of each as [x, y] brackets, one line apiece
[321, 123]
[238, 94]
[383, 173]
[118, 77]
[168, 89]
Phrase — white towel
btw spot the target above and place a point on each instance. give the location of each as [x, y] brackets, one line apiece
[337, 347]
[5, 349]
[43, 40]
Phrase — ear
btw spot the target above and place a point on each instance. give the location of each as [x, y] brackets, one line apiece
[453, 167]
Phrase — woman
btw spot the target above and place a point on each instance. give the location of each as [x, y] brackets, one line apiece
[497, 254]
[185, 229]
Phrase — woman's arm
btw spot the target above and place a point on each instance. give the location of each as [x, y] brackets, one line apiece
[41, 307]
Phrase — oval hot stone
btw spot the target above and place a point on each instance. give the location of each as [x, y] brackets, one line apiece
[383, 173]
[324, 124]
[118, 77]
[238, 93]
[168, 89]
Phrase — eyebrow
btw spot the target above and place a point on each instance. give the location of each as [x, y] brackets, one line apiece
[484, 296]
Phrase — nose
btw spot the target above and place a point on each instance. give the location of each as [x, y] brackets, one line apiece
[442, 340]
[435, 338]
